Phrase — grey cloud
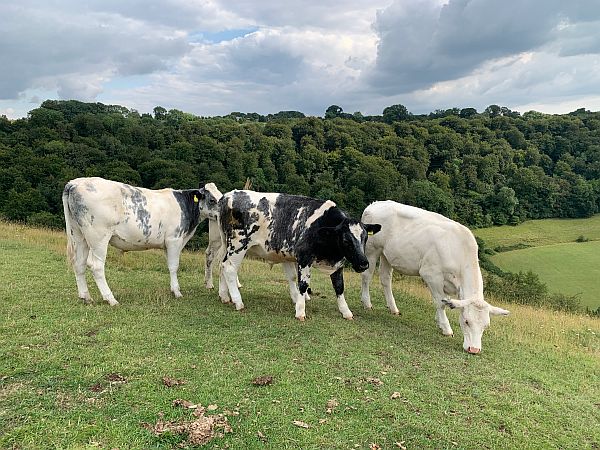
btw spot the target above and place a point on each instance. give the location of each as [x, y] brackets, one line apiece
[45, 46]
[256, 58]
[421, 43]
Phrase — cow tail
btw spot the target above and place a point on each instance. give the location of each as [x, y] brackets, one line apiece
[68, 223]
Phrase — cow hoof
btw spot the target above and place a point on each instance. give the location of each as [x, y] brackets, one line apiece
[239, 307]
[225, 300]
[87, 300]
[369, 308]
[177, 294]
[397, 313]
[210, 286]
[113, 302]
[301, 318]
[349, 318]
[451, 334]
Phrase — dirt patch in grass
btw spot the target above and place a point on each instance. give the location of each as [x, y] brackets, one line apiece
[263, 380]
[6, 390]
[171, 382]
[199, 431]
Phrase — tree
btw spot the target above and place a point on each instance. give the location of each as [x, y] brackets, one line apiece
[395, 113]
[333, 111]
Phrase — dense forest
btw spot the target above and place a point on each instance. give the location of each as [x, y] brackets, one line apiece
[480, 168]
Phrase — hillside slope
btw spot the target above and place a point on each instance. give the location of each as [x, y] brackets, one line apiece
[76, 376]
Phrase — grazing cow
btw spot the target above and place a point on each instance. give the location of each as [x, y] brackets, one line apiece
[443, 252]
[99, 212]
[296, 231]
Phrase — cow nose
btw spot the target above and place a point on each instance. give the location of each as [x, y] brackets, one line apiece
[363, 266]
[473, 350]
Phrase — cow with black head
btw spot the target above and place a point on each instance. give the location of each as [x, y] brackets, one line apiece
[298, 232]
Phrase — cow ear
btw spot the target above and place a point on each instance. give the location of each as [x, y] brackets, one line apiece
[372, 228]
[495, 311]
[327, 232]
[451, 303]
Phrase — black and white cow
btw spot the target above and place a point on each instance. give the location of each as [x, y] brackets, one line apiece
[99, 212]
[210, 195]
[298, 232]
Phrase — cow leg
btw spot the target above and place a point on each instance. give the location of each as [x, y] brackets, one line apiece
[208, 265]
[213, 251]
[435, 283]
[303, 283]
[96, 261]
[337, 280]
[173, 253]
[229, 270]
[385, 276]
[366, 278]
[223, 289]
[82, 251]
[290, 269]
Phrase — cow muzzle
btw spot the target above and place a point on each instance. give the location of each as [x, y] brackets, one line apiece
[473, 350]
[361, 267]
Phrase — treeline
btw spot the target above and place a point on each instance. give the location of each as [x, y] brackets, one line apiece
[481, 168]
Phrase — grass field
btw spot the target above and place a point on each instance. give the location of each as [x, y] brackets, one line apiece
[76, 376]
[572, 269]
[537, 233]
[566, 266]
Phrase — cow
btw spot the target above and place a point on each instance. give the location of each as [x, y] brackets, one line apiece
[443, 252]
[99, 212]
[293, 230]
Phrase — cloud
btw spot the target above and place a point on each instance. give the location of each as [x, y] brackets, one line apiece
[423, 42]
[215, 56]
[53, 49]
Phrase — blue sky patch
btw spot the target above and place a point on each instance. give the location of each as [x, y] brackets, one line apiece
[220, 36]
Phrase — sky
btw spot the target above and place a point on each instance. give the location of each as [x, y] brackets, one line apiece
[213, 57]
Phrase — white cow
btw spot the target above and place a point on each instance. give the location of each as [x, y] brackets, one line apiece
[443, 252]
[99, 212]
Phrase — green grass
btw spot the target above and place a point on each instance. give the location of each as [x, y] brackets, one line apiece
[541, 232]
[534, 386]
[572, 268]
[566, 266]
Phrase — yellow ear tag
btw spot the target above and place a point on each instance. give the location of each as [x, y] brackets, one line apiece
[195, 199]
[370, 233]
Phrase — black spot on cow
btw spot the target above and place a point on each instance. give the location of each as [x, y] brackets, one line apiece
[238, 219]
[190, 211]
[263, 207]
[302, 286]
[76, 203]
[142, 216]
[337, 280]
[290, 214]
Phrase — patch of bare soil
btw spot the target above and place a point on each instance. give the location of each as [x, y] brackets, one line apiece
[198, 431]
[263, 380]
[170, 382]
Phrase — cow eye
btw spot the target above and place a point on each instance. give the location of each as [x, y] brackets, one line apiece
[466, 322]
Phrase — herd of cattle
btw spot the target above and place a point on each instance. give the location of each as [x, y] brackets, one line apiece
[296, 231]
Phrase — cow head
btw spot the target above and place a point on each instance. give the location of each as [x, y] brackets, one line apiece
[474, 318]
[208, 198]
[351, 237]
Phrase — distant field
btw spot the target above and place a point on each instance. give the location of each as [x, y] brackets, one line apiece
[82, 377]
[571, 268]
[542, 232]
[566, 266]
